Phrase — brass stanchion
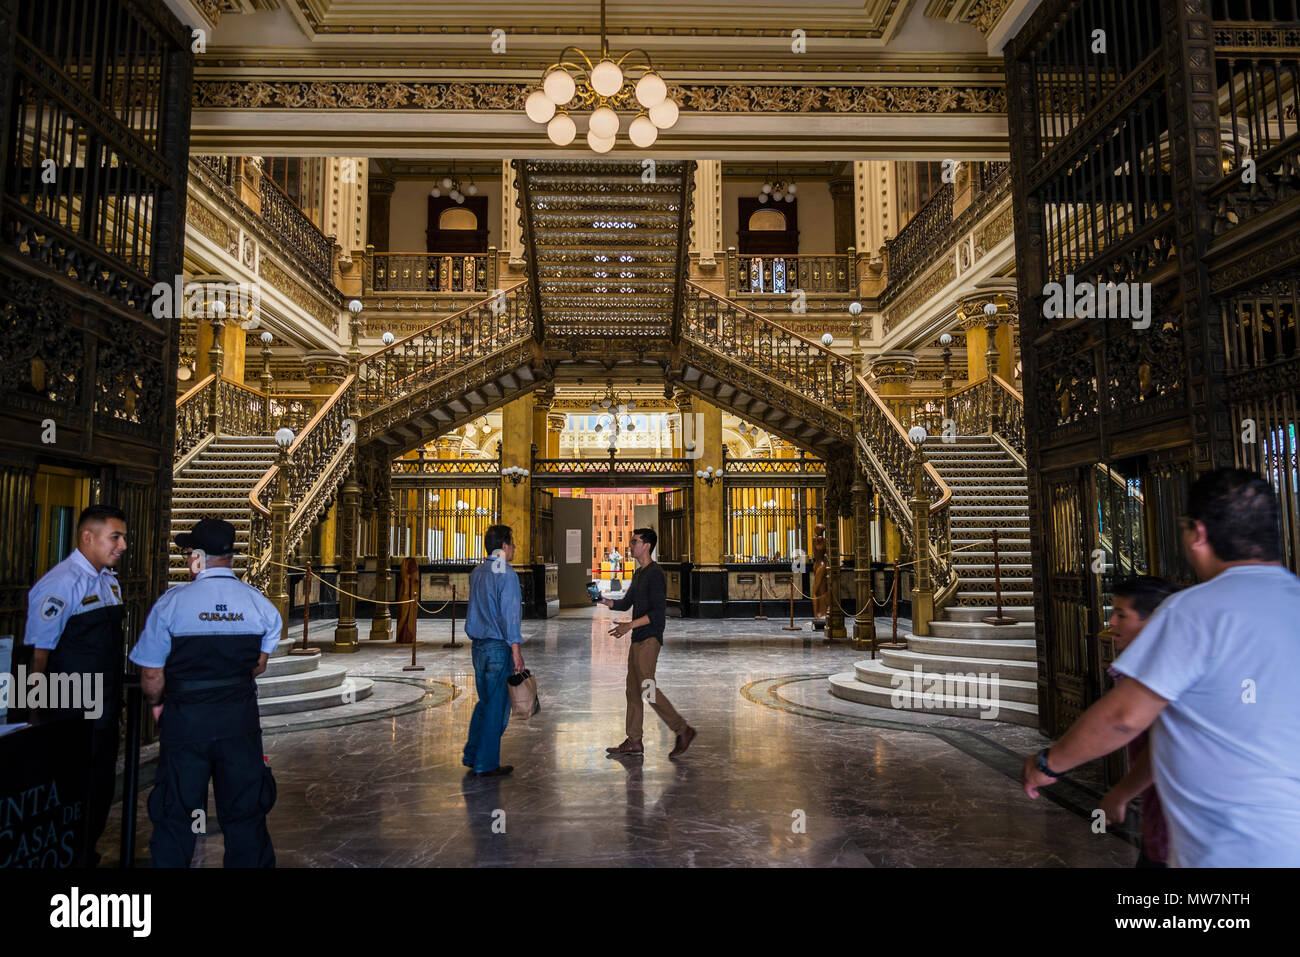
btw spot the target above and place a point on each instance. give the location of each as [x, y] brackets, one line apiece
[760, 616]
[792, 626]
[999, 618]
[415, 641]
[304, 649]
[893, 644]
[453, 643]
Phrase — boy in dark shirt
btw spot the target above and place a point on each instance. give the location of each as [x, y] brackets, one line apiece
[647, 596]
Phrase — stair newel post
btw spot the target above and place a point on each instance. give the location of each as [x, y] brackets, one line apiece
[280, 508]
[999, 618]
[381, 620]
[945, 340]
[922, 584]
[991, 361]
[345, 633]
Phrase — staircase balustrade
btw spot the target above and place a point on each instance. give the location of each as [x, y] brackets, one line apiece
[319, 458]
[888, 455]
[193, 412]
[762, 345]
[418, 361]
[991, 407]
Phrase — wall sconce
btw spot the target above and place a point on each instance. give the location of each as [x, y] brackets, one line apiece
[709, 475]
[514, 473]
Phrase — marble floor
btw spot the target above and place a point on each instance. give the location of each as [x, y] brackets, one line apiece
[781, 774]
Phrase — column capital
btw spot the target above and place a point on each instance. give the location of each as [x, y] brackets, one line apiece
[894, 368]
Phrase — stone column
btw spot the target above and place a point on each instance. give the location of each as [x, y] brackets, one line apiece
[381, 620]
[345, 633]
[379, 211]
[706, 224]
[516, 450]
[894, 372]
[329, 537]
[709, 575]
[555, 423]
[875, 204]
[325, 372]
[346, 203]
[512, 233]
[985, 339]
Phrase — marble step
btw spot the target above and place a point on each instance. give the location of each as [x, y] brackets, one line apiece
[349, 691]
[290, 665]
[985, 599]
[315, 679]
[1010, 571]
[848, 687]
[282, 648]
[1005, 668]
[1015, 649]
[980, 630]
[875, 672]
[967, 613]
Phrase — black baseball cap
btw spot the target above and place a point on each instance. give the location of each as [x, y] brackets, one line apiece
[210, 534]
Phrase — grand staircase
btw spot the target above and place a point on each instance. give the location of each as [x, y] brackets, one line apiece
[293, 683]
[989, 491]
[215, 484]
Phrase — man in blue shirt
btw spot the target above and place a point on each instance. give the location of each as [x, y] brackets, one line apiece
[202, 646]
[74, 621]
[493, 624]
[1213, 676]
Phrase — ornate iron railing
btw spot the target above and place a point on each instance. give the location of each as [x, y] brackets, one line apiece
[451, 468]
[888, 456]
[242, 410]
[419, 360]
[768, 467]
[293, 411]
[193, 417]
[613, 466]
[318, 460]
[429, 272]
[745, 337]
[918, 241]
[787, 273]
[315, 250]
[916, 408]
[990, 407]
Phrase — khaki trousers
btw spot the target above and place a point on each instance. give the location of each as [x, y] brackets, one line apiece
[642, 656]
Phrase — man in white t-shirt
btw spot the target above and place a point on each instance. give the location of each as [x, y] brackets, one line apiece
[1214, 675]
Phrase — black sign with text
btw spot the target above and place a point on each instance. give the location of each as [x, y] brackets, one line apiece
[44, 782]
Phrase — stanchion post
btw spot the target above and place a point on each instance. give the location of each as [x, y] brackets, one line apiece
[304, 648]
[999, 618]
[760, 616]
[131, 769]
[792, 626]
[414, 642]
[453, 643]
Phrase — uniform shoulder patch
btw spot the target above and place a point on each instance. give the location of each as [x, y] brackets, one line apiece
[116, 594]
[52, 607]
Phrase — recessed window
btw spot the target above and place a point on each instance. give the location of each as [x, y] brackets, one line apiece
[768, 219]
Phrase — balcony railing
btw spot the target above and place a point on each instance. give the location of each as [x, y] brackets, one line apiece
[783, 274]
[282, 216]
[429, 272]
[933, 231]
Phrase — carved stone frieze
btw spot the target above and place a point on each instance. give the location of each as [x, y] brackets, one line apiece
[296, 293]
[469, 95]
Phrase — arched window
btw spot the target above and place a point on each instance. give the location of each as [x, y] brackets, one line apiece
[768, 219]
[457, 217]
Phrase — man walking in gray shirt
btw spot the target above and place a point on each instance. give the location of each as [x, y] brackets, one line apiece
[647, 596]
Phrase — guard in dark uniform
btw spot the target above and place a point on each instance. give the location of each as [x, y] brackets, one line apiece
[202, 646]
[74, 620]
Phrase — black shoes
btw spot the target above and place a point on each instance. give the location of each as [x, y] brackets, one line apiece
[500, 772]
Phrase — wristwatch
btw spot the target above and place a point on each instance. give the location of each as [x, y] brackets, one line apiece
[1042, 764]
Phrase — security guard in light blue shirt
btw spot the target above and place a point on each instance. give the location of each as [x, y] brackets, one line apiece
[74, 621]
[202, 646]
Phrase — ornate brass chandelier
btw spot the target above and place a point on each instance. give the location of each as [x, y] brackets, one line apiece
[605, 89]
[615, 410]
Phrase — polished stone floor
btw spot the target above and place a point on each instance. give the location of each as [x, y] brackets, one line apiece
[781, 773]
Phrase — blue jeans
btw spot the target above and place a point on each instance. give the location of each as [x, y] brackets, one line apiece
[492, 666]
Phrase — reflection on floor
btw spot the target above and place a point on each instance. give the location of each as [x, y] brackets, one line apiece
[781, 773]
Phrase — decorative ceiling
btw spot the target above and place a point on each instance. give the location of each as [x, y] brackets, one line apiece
[848, 79]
